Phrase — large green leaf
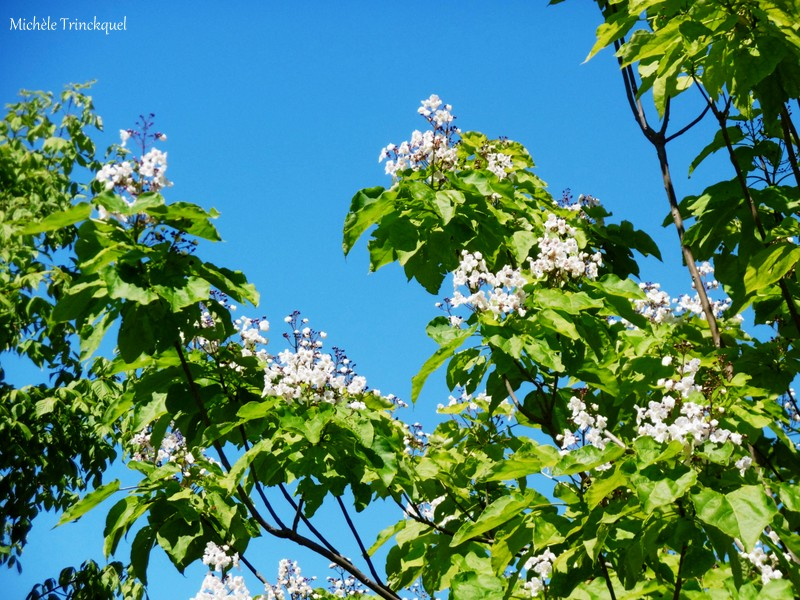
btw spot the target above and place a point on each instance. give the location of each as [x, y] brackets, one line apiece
[437, 359]
[89, 501]
[742, 514]
[498, 512]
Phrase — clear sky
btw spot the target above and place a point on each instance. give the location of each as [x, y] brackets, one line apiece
[275, 114]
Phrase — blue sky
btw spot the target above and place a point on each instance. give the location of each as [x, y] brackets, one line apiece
[275, 114]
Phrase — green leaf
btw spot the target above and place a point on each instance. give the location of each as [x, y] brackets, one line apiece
[742, 514]
[385, 535]
[498, 512]
[770, 265]
[718, 142]
[528, 460]
[88, 502]
[438, 358]
[477, 586]
[140, 551]
[367, 208]
[59, 220]
[614, 28]
[447, 202]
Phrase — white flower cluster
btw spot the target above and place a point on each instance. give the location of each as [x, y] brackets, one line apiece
[432, 147]
[693, 423]
[765, 563]
[151, 169]
[250, 332]
[344, 585]
[591, 427]
[584, 201]
[291, 582]
[230, 587]
[658, 305]
[542, 566]
[505, 294]
[559, 254]
[117, 175]
[172, 449]
[499, 164]
[308, 372]
[660, 308]
[217, 557]
[419, 593]
[465, 400]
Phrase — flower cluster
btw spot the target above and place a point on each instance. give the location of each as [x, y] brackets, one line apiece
[658, 307]
[427, 512]
[231, 587]
[344, 585]
[250, 333]
[222, 587]
[591, 427]
[172, 449]
[764, 562]
[680, 419]
[435, 146]
[542, 566]
[559, 255]
[217, 557]
[291, 582]
[499, 164]
[134, 176]
[308, 373]
[505, 294]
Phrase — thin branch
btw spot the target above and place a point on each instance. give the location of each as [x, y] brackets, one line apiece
[786, 125]
[680, 132]
[306, 520]
[287, 534]
[253, 570]
[258, 486]
[361, 546]
[688, 255]
[607, 577]
[678, 580]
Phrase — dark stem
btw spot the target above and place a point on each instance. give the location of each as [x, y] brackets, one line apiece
[688, 255]
[361, 546]
[253, 570]
[607, 577]
[786, 125]
[306, 520]
[678, 580]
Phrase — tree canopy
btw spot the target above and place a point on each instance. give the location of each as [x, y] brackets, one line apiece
[664, 429]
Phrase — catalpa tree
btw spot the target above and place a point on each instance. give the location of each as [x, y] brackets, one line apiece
[665, 433]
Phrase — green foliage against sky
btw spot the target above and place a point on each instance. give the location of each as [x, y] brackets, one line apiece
[666, 430]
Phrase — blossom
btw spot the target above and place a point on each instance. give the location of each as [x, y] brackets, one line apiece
[559, 254]
[230, 588]
[432, 147]
[542, 566]
[217, 557]
[504, 293]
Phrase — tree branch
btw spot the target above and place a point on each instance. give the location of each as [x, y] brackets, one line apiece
[365, 555]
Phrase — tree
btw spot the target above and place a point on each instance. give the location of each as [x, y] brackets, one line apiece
[666, 431]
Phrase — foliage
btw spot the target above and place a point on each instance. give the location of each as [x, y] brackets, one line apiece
[602, 440]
